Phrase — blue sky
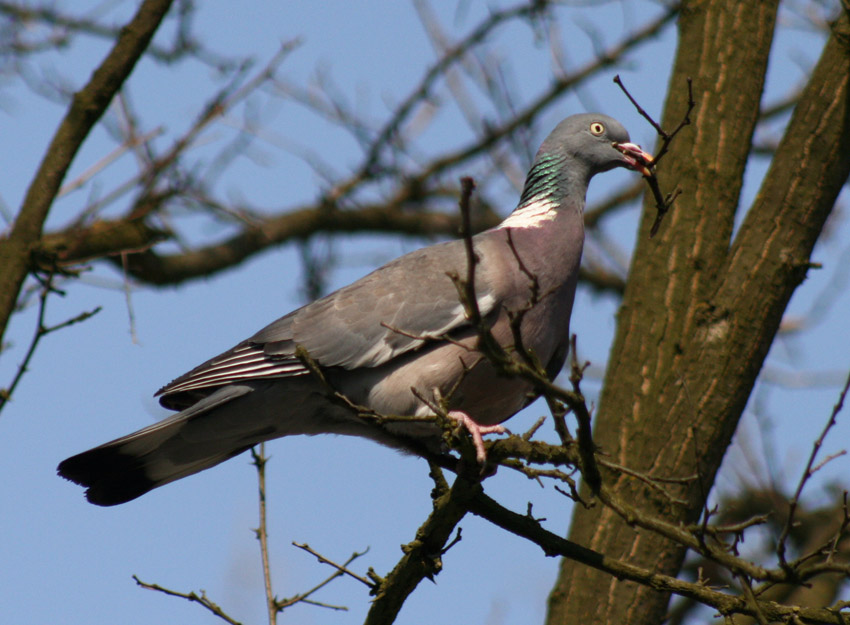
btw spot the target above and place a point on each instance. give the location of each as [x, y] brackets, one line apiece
[67, 561]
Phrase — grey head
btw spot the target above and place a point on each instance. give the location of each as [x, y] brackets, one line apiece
[580, 147]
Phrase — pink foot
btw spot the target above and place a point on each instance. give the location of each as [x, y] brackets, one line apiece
[476, 431]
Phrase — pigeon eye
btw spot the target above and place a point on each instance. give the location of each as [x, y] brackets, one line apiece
[596, 128]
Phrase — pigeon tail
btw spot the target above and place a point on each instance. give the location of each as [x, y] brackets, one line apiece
[112, 477]
[128, 467]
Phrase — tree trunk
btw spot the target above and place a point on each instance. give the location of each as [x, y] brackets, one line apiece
[699, 315]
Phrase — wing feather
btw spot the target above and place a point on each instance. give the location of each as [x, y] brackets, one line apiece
[395, 309]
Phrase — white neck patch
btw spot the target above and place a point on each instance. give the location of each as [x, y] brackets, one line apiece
[534, 215]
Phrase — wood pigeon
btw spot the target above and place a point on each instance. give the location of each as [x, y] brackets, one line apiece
[400, 329]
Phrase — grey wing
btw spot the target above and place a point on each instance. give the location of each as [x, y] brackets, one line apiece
[394, 309]
[247, 361]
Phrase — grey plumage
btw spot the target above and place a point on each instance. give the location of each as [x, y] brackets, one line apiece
[383, 335]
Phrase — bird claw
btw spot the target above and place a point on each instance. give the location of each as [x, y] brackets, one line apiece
[476, 431]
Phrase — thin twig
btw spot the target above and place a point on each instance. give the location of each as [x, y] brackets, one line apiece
[536, 474]
[527, 436]
[845, 523]
[820, 465]
[559, 413]
[107, 160]
[735, 528]
[662, 203]
[303, 597]
[666, 137]
[808, 472]
[652, 482]
[341, 568]
[128, 297]
[586, 447]
[751, 600]
[467, 186]
[190, 596]
[259, 460]
[41, 330]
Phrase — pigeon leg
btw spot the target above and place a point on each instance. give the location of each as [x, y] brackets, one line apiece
[476, 431]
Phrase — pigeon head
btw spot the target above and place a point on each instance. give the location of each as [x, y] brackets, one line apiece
[598, 142]
[578, 148]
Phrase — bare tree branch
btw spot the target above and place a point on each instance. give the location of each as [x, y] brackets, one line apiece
[87, 107]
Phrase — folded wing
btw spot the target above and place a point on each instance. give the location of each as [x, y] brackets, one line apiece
[365, 324]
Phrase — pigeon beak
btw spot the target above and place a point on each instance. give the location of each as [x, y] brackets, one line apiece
[636, 158]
